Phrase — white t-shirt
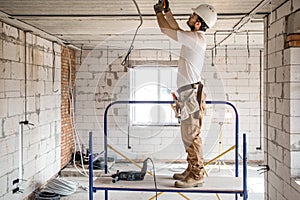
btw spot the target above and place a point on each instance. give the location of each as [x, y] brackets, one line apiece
[191, 57]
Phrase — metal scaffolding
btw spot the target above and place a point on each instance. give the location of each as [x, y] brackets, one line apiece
[236, 185]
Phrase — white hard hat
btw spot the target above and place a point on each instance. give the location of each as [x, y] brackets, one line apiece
[207, 13]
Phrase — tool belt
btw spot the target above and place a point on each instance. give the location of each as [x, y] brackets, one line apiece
[187, 87]
[193, 86]
[189, 101]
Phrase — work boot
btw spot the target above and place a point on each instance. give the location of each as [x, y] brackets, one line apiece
[181, 176]
[191, 180]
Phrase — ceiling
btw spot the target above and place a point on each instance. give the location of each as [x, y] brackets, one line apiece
[85, 24]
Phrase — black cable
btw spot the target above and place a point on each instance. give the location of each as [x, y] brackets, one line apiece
[154, 176]
[131, 45]
[80, 58]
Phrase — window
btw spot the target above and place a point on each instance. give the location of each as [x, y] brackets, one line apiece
[152, 84]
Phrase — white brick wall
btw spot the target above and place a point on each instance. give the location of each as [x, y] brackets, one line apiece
[281, 111]
[237, 81]
[41, 142]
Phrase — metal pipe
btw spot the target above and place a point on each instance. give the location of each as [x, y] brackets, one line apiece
[244, 20]
[21, 152]
[25, 81]
[115, 15]
[267, 103]
[169, 102]
[106, 120]
[166, 102]
[260, 101]
[91, 179]
[245, 172]
[13, 20]
[236, 132]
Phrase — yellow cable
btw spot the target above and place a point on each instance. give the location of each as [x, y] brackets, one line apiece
[155, 196]
[219, 156]
[182, 195]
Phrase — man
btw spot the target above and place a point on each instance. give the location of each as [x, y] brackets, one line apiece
[192, 104]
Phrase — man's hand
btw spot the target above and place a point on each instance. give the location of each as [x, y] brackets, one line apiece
[159, 7]
[166, 6]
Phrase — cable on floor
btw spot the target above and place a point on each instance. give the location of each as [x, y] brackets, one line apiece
[60, 186]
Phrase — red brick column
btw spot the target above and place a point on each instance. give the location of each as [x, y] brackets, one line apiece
[67, 139]
[293, 40]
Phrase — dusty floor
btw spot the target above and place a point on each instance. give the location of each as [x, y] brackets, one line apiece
[255, 184]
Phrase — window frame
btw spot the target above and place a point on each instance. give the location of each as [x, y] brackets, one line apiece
[133, 86]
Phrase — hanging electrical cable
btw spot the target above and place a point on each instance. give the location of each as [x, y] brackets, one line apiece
[72, 115]
[72, 120]
[126, 59]
[80, 58]
[248, 43]
[53, 68]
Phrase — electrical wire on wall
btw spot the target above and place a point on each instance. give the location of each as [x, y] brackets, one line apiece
[125, 62]
[72, 119]
[53, 68]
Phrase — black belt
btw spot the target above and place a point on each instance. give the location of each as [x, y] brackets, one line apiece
[193, 86]
[187, 87]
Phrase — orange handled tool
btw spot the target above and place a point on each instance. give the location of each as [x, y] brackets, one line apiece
[164, 3]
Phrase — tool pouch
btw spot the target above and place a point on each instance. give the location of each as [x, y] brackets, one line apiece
[199, 93]
[188, 103]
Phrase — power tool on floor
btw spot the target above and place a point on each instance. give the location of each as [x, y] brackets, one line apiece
[131, 175]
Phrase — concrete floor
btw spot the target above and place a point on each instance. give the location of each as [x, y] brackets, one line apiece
[255, 184]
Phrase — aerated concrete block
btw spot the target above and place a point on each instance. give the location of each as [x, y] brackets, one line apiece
[294, 56]
[48, 59]
[3, 107]
[294, 125]
[277, 28]
[289, 191]
[279, 42]
[296, 5]
[294, 108]
[283, 106]
[1, 46]
[10, 31]
[9, 51]
[17, 70]
[284, 10]
[275, 120]
[283, 74]
[275, 59]
[12, 85]
[276, 90]
[15, 106]
[294, 90]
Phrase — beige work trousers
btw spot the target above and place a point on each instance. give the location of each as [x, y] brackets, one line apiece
[190, 133]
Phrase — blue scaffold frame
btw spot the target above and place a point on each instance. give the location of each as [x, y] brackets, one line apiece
[93, 189]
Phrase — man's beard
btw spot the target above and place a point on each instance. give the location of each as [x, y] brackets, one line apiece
[192, 27]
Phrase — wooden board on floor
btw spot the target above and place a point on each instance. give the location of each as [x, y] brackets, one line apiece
[165, 183]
